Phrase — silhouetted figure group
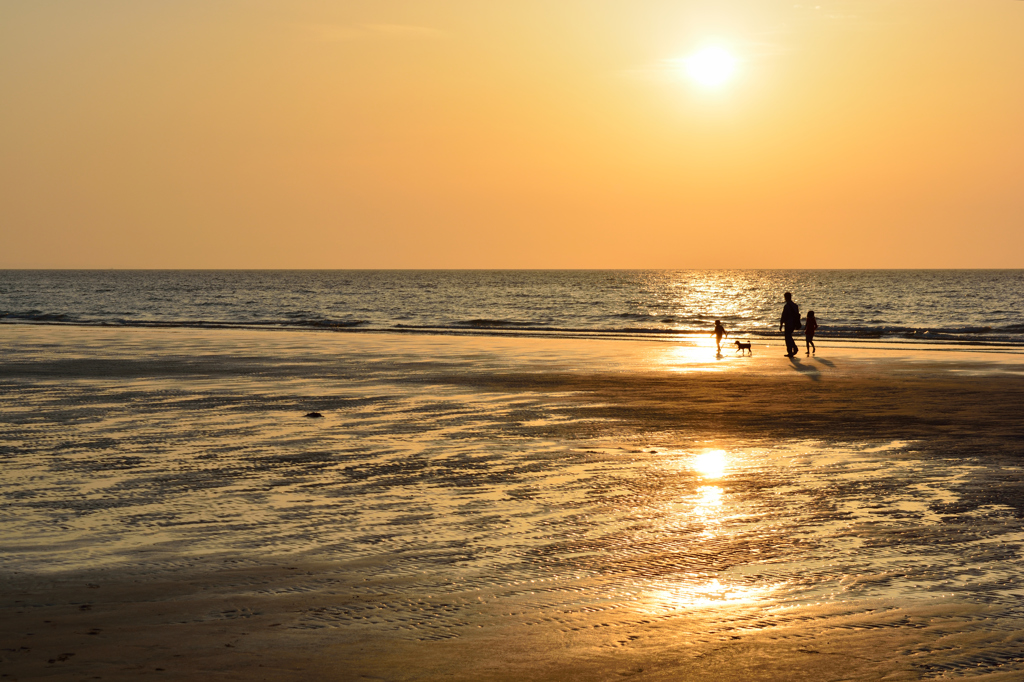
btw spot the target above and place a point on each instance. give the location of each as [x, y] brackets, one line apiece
[790, 322]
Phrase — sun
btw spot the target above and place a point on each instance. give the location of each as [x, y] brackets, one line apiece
[711, 66]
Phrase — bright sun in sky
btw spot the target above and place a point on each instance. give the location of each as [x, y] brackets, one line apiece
[711, 66]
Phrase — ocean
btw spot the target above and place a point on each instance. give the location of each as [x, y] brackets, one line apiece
[984, 307]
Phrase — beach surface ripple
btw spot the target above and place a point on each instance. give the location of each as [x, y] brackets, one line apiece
[493, 508]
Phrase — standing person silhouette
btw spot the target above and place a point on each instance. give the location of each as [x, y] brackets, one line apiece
[790, 322]
[718, 334]
[809, 328]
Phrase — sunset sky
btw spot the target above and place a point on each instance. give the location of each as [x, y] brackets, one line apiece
[473, 134]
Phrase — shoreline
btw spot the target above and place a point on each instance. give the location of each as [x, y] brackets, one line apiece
[692, 338]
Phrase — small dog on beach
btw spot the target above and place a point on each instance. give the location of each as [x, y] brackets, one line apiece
[740, 347]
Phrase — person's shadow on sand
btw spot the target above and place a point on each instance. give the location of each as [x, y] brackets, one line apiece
[808, 371]
[827, 363]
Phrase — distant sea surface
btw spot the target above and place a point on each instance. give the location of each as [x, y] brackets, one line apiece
[945, 306]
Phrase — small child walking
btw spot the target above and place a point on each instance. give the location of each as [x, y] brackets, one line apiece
[719, 333]
[812, 324]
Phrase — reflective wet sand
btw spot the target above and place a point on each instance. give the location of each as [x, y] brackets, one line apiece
[505, 508]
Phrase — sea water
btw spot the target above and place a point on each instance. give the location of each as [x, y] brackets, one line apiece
[982, 307]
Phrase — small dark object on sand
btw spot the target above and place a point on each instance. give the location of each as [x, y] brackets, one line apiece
[314, 414]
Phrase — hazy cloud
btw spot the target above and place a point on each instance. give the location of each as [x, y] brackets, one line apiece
[336, 32]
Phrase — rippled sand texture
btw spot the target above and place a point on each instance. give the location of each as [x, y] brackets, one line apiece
[504, 508]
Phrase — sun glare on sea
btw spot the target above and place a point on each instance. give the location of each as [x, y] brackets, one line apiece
[711, 66]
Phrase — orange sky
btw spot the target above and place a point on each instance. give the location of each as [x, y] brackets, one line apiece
[469, 134]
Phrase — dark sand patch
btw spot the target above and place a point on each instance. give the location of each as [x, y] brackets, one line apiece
[223, 624]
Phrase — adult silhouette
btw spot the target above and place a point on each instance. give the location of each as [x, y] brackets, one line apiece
[790, 322]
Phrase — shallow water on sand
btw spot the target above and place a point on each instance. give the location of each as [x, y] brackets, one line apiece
[461, 505]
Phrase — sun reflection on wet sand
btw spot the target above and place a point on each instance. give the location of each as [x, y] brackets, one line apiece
[698, 354]
[701, 592]
[708, 509]
[688, 352]
[710, 464]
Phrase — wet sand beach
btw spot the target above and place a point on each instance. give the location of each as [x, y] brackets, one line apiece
[474, 507]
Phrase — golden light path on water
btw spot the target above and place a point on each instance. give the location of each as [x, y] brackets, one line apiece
[714, 297]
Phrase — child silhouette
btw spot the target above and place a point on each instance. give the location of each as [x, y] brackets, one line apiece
[812, 324]
[719, 333]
